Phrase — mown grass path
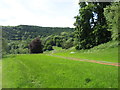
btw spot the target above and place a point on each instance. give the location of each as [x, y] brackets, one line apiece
[86, 60]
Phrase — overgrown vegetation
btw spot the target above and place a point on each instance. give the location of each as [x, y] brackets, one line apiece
[112, 14]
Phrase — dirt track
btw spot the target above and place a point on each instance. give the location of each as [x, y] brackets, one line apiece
[85, 60]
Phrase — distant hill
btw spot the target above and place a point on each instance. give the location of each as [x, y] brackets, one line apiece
[24, 31]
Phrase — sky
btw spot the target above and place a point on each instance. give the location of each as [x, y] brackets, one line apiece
[46, 13]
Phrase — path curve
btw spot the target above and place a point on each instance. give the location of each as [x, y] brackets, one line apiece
[86, 60]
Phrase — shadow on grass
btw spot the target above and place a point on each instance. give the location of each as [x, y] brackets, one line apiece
[9, 56]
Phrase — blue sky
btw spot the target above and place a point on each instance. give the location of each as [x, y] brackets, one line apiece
[51, 13]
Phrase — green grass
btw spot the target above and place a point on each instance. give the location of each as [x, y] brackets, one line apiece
[0, 73]
[42, 71]
[110, 55]
[104, 52]
[57, 48]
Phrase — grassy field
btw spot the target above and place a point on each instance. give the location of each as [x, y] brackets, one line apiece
[109, 55]
[104, 52]
[42, 71]
[0, 74]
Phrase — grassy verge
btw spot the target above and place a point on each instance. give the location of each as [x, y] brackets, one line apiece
[104, 52]
[42, 71]
[0, 74]
[109, 55]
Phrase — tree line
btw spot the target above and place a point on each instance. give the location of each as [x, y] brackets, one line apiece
[64, 40]
[21, 32]
[96, 23]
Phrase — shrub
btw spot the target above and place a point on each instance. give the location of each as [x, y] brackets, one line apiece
[36, 46]
[49, 47]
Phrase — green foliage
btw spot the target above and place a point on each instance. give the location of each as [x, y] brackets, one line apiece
[4, 46]
[108, 45]
[20, 36]
[17, 47]
[64, 33]
[83, 25]
[100, 35]
[22, 32]
[49, 42]
[49, 47]
[90, 31]
[67, 44]
[112, 14]
[64, 40]
[77, 47]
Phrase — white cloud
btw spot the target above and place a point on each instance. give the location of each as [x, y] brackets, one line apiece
[55, 13]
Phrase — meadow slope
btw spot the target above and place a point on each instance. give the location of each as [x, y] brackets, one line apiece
[105, 52]
[42, 71]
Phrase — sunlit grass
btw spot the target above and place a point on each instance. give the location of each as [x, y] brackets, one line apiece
[104, 52]
[0, 74]
[42, 71]
[110, 55]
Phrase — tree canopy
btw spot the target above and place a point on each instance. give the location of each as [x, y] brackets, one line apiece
[90, 25]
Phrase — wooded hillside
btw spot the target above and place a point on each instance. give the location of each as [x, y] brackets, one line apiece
[26, 31]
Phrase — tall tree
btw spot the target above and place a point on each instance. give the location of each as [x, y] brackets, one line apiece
[100, 32]
[112, 14]
[83, 25]
[91, 25]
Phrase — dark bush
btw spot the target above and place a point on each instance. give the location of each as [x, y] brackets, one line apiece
[35, 46]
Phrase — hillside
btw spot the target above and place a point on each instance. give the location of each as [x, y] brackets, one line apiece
[107, 52]
[44, 71]
[25, 31]
[37, 70]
